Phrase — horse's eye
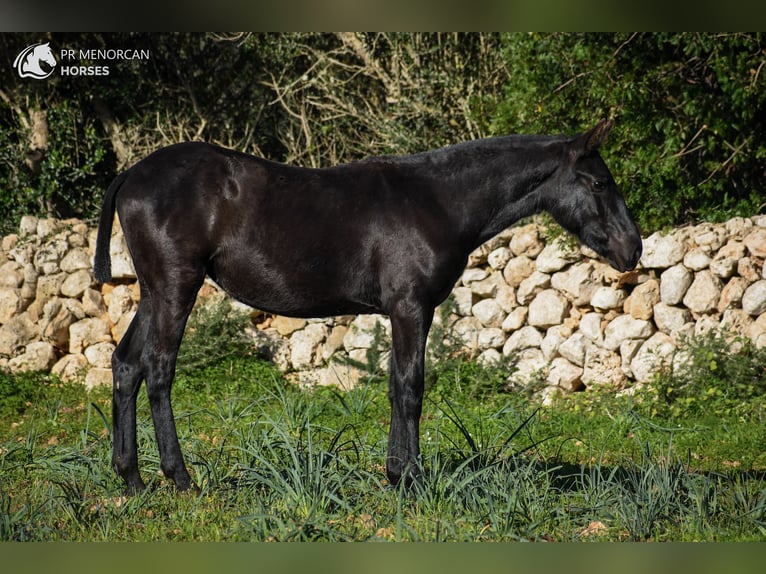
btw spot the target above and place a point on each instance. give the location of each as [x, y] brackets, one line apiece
[599, 185]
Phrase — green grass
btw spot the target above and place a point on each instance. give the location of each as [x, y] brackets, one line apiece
[275, 462]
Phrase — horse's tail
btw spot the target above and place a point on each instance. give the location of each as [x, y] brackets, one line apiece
[102, 263]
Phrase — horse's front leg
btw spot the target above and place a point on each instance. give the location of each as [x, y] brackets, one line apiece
[410, 322]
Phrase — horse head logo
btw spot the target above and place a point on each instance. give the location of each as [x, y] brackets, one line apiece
[28, 62]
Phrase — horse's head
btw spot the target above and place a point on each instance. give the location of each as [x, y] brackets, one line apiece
[44, 53]
[587, 202]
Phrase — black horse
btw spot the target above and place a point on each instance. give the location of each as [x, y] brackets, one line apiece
[385, 235]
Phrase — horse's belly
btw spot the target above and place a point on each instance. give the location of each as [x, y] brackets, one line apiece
[285, 290]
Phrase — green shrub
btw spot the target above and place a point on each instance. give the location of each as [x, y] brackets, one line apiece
[721, 376]
[215, 331]
[687, 143]
[19, 390]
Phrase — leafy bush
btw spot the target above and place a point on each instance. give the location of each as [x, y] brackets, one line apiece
[720, 376]
[215, 331]
[18, 390]
[688, 106]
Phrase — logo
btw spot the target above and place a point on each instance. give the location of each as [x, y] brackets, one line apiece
[35, 61]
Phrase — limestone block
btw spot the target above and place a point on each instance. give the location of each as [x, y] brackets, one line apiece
[703, 293]
[674, 282]
[547, 309]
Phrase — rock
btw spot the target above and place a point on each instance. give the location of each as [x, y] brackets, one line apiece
[55, 323]
[498, 258]
[11, 275]
[515, 319]
[491, 338]
[626, 327]
[505, 297]
[731, 294]
[704, 292]
[547, 309]
[39, 356]
[489, 312]
[75, 260]
[605, 298]
[466, 332]
[98, 377]
[286, 326]
[554, 336]
[31, 276]
[526, 241]
[525, 338]
[47, 226]
[76, 283]
[334, 341]
[122, 264]
[488, 287]
[564, 374]
[46, 259]
[738, 227]
[88, 332]
[756, 242]
[119, 302]
[70, 367]
[696, 259]
[709, 237]
[471, 275]
[100, 355]
[574, 348]
[748, 269]
[518, 269]
[530, 365]
[16, 334]
[641, 302]
[590, 326]
[578, 282]
[736, 321]
[555, 256]
[661, 252]
[361, 331]
[93, 303]
[28, 225]
[11, 303]
[674, 282]
[530, 286]
[723, 267]
[628, 350]
[757, 331]
[49, 286]
[754, 298]
[464, 300]
[489, 357]
[670, 319]
[305, 343]
[119, 329]
[602, 367]
[655, 354]
[341, 375]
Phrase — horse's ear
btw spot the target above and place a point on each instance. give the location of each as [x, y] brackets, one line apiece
[593, 139]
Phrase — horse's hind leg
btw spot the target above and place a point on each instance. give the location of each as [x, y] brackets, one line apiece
[171, 306]
[127, 376]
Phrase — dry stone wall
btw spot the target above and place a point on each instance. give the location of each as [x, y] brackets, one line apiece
[564, 315]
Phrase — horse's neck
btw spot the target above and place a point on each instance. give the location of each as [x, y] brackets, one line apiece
[497, 189]
[33, 63]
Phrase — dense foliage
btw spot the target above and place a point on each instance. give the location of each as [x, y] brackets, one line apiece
[689, 141]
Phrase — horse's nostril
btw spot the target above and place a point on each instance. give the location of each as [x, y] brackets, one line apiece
[636, 255]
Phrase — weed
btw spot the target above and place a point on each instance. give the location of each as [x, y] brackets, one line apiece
[279, 462]
[721, 375]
